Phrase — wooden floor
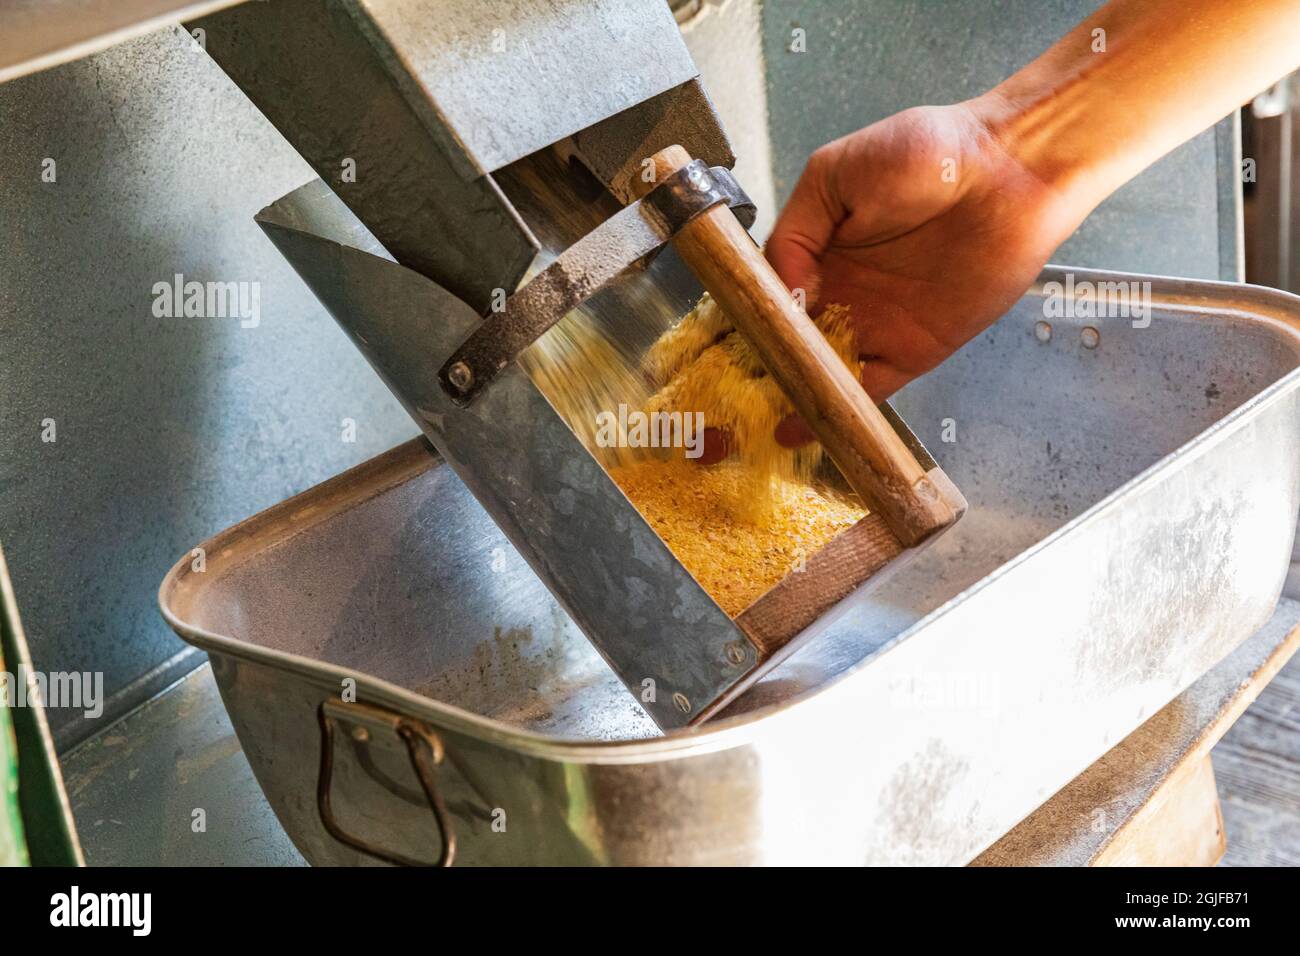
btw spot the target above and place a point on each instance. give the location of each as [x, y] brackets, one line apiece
[1257, 764]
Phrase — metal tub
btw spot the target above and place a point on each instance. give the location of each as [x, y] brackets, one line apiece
[1133, 504]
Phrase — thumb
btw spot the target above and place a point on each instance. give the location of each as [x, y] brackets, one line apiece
[803, 230]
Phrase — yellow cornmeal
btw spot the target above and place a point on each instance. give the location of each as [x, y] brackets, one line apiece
[582, 372]
[738, 527]
[735, 558]
[703, 365]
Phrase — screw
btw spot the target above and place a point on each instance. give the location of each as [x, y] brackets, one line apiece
[1043, 331]
[1090, 337]
[460, 376]
[735, 653]
[682, 703]
[360, 734]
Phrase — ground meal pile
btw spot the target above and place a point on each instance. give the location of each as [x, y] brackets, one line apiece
[739, 526]
[735, 556]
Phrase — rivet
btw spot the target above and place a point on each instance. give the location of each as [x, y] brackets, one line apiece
[1090, 337]
[360, 734]
[460, 376]
[683, 704]
[1043, 331]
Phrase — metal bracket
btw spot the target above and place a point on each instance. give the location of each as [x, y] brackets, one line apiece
[695, 188]
[638, 230]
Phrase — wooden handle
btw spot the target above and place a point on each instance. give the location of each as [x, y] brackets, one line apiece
[870, 454]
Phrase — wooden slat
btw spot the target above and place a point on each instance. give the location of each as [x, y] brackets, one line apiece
[1258, 766]
[830, 575]
[1181, 825]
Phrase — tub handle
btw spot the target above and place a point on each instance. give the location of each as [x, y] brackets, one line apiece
[425, 750]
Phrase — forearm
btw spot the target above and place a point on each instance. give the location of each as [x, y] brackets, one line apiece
[1098, 108]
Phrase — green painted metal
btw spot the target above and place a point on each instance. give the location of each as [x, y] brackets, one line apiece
[36, 823]
[13, 848]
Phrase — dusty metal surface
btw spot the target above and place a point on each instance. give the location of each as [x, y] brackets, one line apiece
[1076, 826]
[168, 785]
[406, 106]
[313, 68]
[726, 42]
[168, 427]
[38, 34]
[684, 115]
[1131, 522]
[507, 79]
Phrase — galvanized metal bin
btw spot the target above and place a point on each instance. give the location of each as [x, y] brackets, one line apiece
[1133, 486]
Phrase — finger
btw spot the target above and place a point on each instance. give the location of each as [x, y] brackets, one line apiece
[879, 379]
[804, 229]
[793, 432]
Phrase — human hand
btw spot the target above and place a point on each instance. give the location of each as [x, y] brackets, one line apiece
[926, 227]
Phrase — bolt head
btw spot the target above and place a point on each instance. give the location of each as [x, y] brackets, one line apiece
[460, 376]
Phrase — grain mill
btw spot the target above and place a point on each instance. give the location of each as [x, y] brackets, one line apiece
[526, 166]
